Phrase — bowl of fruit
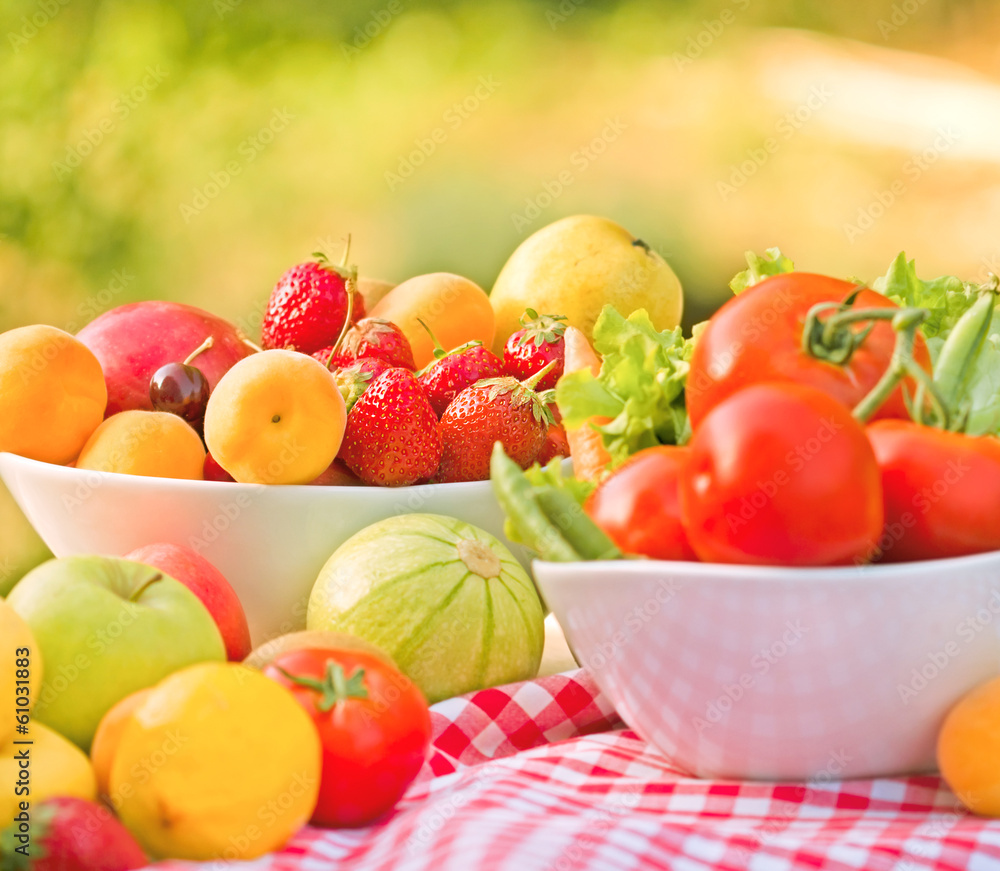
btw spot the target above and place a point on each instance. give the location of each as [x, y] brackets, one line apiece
[160, 422]
[790, 567]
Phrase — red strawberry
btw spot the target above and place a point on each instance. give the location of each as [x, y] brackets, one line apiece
[374, 337]
[452, 372]
[309, 306]
[354, 378]
[495, 409]
[555, 445]
[69, 834]
[538, 343]
[392, 437]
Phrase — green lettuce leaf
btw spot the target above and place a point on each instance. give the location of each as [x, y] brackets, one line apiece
[773, 262]
[946, 298]
[640, 386]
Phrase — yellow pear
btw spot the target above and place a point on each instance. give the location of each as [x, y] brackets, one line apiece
[20, 669]
[576, 266]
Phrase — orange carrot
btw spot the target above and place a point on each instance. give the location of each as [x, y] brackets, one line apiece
[586, 446]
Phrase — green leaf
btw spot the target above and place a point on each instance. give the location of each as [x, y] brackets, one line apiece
[946, 298]
[640, 386]
[773, 262]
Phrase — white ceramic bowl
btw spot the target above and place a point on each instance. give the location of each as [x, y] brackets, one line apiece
[804, 674]
[270, 542]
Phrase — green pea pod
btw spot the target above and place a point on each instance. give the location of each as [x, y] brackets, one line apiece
[583, 535]
[958, 355]
[517, 499]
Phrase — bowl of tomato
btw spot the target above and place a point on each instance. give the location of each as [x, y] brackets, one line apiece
[775, 673]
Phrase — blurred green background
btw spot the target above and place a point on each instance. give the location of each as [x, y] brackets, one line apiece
[194, 150]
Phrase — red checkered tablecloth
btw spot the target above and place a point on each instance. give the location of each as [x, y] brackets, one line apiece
[542, 775]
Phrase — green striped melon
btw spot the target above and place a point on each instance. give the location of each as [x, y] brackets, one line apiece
[446, 600]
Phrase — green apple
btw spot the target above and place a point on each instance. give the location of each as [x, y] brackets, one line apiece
[107, 627]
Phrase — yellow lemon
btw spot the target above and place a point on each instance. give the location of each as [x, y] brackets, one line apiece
[276, 417]
[55, 766]
[217, 762]
[154, 444]
[52, 394]
[968, 749]
[576, 266]
[20, 669]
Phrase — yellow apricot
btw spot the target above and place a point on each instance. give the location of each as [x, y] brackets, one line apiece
[154, 444]
[968, 749]
[456, 309]
[52, 394]
[276, 417]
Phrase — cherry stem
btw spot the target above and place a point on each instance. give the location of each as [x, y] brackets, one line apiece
[204, 346]
[334, 688]
[257, 348]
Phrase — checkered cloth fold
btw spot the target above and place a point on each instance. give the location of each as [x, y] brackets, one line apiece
[541, 775]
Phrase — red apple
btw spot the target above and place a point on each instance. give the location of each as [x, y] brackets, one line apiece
[133, 341]
[207, 583]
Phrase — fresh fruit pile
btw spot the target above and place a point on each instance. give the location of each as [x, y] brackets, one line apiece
[195, 757]
[810, 422]
[354, 382]
[199, 747]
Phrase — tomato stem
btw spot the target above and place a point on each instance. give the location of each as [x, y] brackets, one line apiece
[833, 339]
[335, 687]
[905, 322]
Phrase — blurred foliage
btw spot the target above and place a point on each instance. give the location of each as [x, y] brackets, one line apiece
[194, 150]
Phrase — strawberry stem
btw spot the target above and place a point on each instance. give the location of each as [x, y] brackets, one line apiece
[439, 350]
[204, 346]
[351, 288]
[539, 375]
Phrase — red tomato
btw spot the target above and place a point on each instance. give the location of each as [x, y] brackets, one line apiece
[757, 336]
[942, 490]
[781, 474]
[638, 505]
[373, 724]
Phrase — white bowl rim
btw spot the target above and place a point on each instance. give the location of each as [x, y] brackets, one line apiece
[190, 484]
[641, 569]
